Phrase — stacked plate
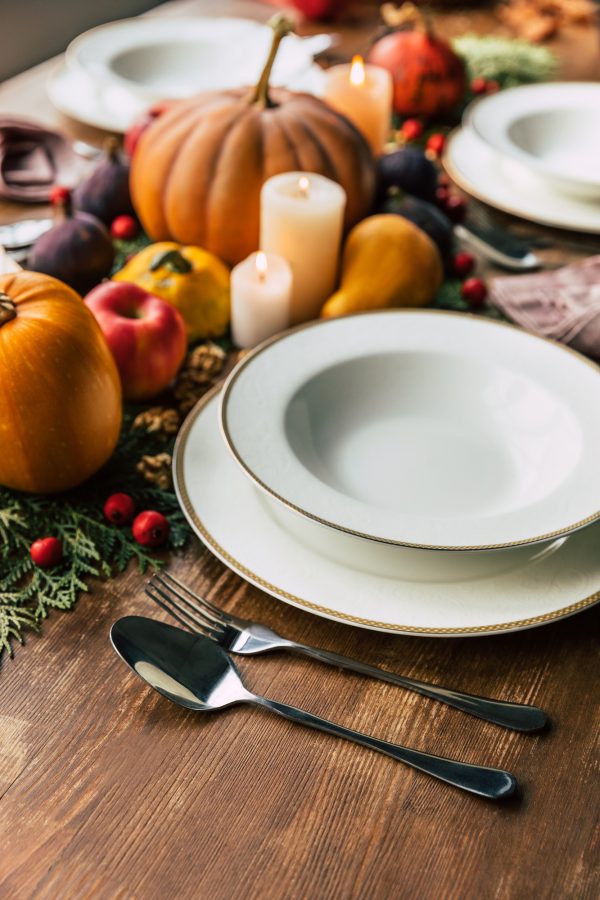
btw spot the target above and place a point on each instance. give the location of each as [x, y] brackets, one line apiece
[418, 472]
[114, 72]
[533, 151]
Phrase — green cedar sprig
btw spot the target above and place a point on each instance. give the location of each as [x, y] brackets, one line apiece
[92, 547]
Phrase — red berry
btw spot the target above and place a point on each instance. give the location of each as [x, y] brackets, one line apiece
[436, 143]
[492, 87]
[479, 85]
[119, 509]
[150, 528]
[46, 552]
[411, 129]
[455, 208]
[474, 291]
[124, 227]
[463, 264]
[59, 195]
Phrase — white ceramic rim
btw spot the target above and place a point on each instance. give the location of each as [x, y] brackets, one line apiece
[490, 118]
[534, 201]
[85, 103]
[280, 593]
[92, 51]
[586, 518]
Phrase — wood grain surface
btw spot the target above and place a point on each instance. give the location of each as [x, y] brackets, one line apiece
[108, 790]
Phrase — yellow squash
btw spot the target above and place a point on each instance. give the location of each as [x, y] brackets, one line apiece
[387, 262]
[191, 279]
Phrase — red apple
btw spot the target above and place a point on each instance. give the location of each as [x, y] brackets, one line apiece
[146, 335]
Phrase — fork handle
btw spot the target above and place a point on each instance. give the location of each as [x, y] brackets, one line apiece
[517, 716]
[495, 784]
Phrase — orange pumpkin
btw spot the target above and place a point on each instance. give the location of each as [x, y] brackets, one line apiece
[198, 169]
[429, 77]
[60, 394]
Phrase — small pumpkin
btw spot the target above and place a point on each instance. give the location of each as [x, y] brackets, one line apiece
[192, 280]
[60, 394]
[197, 170]
[429, 77]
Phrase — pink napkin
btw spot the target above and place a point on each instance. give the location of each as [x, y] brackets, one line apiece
[563, 304]
[33, 159]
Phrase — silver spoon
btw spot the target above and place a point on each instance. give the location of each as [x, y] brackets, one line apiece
[194, 672]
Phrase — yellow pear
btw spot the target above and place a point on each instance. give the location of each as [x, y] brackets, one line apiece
[387, 262]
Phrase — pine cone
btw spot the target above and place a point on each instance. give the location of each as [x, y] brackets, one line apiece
[157, 420]
[157, 470]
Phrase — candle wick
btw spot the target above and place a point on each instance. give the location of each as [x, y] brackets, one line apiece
[303, 186]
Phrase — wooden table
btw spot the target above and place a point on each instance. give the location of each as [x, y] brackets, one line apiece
[107, 790]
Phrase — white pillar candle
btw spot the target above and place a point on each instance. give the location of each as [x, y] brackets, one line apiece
[364, 95]
[301, 218]
[261, 289]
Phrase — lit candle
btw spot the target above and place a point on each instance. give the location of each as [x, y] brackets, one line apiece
[261, 288]
[364, 95]
[301, 218]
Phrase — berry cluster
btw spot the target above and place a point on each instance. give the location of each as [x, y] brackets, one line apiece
[150, 529]
[473, 290]
[413, 130]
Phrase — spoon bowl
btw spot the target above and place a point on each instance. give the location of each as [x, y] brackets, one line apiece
[169, 660]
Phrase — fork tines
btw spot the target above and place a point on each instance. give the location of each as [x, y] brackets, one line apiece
[193, 612]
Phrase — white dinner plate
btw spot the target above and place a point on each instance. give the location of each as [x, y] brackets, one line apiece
[552, 129]
[112, 104]
[112, 107]
[156, 58]
[421, 428]
[232, 518]
[509, 186]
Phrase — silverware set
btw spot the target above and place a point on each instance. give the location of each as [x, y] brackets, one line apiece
[193, 667]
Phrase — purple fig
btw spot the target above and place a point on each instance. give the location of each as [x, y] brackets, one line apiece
[77, 249]
[105, 193]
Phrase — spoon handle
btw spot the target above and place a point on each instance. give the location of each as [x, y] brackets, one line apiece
[517, 716]
[485, 782]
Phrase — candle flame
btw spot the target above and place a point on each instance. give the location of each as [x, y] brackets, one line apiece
[303, 186]
[357, 70]
[261, 265]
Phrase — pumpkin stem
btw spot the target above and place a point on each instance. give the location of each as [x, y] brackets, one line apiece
[8, 309]
[281, 26]
[406, 15]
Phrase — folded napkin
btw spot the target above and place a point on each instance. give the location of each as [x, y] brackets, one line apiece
[563, 304]
[33, 159]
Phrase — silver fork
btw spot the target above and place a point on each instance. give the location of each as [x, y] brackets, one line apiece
[249, 638]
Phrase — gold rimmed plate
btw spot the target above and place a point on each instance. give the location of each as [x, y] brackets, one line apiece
[420, 428]
[235, 522]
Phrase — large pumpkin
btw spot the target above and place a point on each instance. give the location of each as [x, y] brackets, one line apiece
[198, 169]
[60, 394]
[429, 77]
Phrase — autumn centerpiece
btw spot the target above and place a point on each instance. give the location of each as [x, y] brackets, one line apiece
[197, 170]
